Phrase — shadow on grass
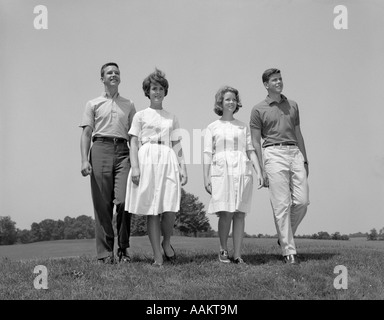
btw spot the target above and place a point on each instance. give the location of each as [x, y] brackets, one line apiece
[265, 258]
[251, 259]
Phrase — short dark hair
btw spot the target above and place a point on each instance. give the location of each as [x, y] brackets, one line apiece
[107, 65]
[155, 77]
[268, 73]
[219, 97]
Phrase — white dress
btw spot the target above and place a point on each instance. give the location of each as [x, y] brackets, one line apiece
[159, 189]
[231, 171]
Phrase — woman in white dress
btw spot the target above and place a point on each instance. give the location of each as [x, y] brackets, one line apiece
[157, 167]
[228, 160]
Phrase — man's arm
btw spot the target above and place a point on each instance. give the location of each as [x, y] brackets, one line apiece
[85, 144]
[256, 141]
[301, 145]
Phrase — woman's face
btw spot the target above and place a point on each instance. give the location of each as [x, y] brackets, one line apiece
[156, 93]
[229, 102]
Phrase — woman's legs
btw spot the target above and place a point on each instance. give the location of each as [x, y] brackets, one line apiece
[153, 228]
[238, 233]
[167, 224]
[224, 226]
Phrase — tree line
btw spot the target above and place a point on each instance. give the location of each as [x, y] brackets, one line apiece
[191, 221]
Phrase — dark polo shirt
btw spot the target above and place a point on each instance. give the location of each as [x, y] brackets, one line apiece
[276, 120]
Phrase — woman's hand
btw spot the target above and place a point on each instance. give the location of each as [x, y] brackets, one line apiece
[208, 186]
[183, 177]
[135, 176]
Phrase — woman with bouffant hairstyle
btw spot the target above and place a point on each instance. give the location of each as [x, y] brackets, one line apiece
[157, 168]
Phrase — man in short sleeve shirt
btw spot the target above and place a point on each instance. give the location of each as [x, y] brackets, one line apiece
[276, 121]
[106, 122]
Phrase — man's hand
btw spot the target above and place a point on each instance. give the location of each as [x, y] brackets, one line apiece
[266, 181]
[86, 168]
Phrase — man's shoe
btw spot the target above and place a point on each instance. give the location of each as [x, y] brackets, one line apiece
[107, 260]
[123, 256]
[223, 256]
[291, 259]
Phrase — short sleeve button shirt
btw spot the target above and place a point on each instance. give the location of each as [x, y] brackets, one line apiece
[109, 116]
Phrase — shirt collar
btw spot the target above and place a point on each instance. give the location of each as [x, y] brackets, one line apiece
[107, 95]
[269, 101]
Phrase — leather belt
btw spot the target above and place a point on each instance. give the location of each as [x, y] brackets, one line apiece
[281, 144]
[109, 139]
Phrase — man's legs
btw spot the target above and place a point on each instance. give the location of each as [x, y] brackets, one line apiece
[300, 191]
[277, 166]
[123, 218]
[102, 190]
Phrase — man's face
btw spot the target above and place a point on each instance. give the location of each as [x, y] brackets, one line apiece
[274, 84]
[111, 76]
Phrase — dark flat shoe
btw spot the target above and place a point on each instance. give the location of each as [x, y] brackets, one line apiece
[169, 258]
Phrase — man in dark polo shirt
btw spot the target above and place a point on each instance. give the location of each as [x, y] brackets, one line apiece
[285, 167]
[106, 122]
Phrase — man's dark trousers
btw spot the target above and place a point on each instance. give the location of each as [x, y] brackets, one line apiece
[110, 166]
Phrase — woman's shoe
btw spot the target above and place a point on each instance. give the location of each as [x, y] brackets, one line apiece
[123, 256]
[157, 264]
[239, 261]
[169, 258]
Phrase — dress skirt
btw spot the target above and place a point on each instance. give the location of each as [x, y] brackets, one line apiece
[159, 189]
[232, 183]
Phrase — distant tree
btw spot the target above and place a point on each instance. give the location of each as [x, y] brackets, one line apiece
[8, 234]
[336, 236]
[47, 227]
[58, 230]
[82, 227]
[358, 235]
[323, 235]
[373, 235]
[35, 234]
[344, 237]
[69, 230]
[23, 236]
[191, 218]
[381, 234]
[87, 225]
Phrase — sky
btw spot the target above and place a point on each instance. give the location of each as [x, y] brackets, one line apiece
[335, 75]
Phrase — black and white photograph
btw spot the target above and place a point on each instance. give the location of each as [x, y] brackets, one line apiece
[191, 154]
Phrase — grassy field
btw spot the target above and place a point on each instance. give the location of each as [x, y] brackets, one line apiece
[73, 272]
